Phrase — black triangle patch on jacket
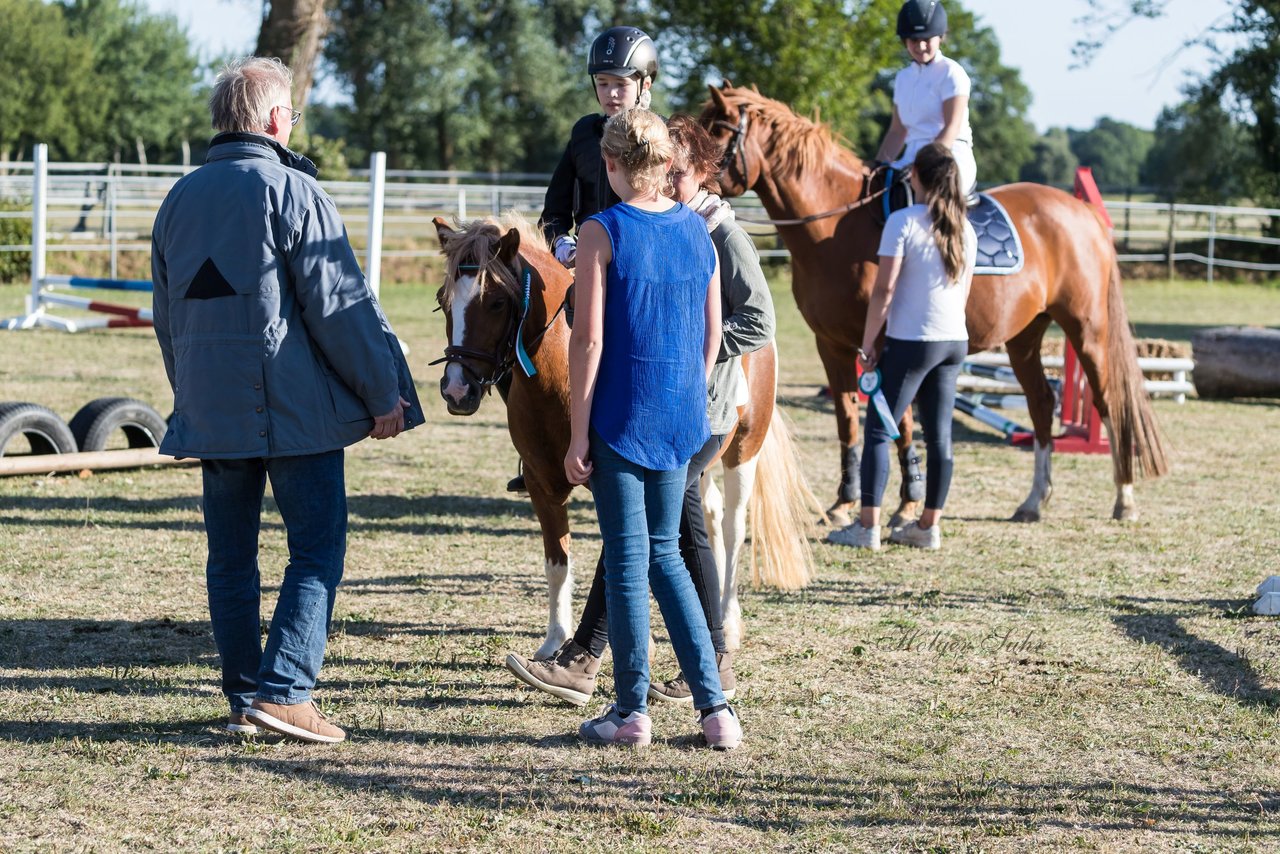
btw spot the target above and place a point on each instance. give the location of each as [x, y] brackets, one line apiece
[209, 283]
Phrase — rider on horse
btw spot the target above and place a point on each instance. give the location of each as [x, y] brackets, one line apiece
[623, 64]
[930, 96]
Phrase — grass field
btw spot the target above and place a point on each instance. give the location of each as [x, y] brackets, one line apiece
[1076, 684]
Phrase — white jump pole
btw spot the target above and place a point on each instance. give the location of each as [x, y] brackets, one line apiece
[377, 196]
[39, 222]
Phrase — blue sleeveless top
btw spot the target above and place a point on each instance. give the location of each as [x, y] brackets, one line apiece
[650, 402]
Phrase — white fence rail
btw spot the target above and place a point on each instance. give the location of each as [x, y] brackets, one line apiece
[110, 208]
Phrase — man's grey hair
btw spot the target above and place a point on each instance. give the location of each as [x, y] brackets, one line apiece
[245, 92]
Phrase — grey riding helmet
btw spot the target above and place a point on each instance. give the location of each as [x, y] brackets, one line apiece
[922, 19]
[623, 52]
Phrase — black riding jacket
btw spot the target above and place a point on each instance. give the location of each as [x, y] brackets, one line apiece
[579, 187]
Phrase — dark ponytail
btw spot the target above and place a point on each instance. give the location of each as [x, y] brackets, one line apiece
[940, 178]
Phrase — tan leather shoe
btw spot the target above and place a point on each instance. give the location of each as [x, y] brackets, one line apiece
[238, 724]
[569, 675]
[302, 721]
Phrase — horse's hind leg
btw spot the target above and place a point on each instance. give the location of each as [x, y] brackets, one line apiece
[739, 481]
[1024, 358]
[911, 492]
[840, 362]
[553, 516]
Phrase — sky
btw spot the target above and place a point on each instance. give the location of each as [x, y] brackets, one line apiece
[1138, 72]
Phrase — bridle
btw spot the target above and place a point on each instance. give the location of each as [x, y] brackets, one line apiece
[736, 149]
[511, 348]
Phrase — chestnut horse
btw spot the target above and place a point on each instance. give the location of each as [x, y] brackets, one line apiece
[487, 265]
[822, 197]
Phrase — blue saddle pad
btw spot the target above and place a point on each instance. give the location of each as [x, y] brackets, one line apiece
[999, 247]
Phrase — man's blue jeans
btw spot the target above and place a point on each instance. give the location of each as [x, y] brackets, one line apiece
[311, 494]
[639, 514]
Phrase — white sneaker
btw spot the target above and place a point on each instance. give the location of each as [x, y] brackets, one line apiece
[856, 536]
[911, 534]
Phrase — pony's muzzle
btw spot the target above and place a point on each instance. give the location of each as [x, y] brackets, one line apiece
[461, 396]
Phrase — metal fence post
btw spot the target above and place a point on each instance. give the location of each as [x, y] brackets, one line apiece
[1172, 244]
[111, 219]
[462, 204]
[377, 197]
[39, 222]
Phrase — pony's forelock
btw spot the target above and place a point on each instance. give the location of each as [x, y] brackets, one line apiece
[477, 243]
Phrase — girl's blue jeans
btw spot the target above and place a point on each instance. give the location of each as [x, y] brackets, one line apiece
[639, 514]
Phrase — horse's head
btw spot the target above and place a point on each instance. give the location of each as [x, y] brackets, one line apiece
[728, 118]
[481, 303]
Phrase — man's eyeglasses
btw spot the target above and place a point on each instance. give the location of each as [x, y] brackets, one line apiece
[294, 115]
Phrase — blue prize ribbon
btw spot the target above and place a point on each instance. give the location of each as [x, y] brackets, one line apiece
[869, 384]
[522, 356]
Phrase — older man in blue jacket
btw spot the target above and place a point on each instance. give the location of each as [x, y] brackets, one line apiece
[279, 357]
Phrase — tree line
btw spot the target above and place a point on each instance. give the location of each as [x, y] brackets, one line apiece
[495, 85]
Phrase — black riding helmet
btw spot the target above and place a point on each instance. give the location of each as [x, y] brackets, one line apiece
[922, 19]
[623, 52]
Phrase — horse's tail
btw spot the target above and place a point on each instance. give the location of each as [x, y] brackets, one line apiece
[782, 511]
[1133, 421]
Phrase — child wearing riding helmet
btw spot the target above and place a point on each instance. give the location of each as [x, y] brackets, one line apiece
[927, 256]
[622, 65]
[930, 96]
[644, 343]
[747, 324]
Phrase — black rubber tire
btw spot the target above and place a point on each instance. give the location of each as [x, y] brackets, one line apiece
[97, 420]
[47, 433]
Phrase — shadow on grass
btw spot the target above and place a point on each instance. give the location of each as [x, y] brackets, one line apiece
[770, 800]
[1225, 672]
[69, 644]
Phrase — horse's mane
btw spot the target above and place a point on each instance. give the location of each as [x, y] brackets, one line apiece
[801, 145]
[477, 242]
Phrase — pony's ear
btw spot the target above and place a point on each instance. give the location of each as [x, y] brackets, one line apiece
[508, 246]
[726, 83]
[718, 99]
[443, 231]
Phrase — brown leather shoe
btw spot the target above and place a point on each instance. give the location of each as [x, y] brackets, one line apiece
[677, 690]
[570, 674]
[302, 721]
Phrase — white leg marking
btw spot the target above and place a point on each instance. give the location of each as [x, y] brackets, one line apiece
[713, 512]
[463, 294]
[1041, 483]
[738, 483]
[559, 606]
[1124, 508]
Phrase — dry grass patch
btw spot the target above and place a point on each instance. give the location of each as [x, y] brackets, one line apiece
[1073, 684]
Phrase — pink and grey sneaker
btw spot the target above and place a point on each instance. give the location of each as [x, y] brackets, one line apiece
[722, 730]
[634, 730]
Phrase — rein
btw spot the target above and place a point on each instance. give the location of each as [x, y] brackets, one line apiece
[736, 150]
[511, 351]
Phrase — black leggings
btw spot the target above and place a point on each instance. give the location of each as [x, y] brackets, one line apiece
[695, 549]
[925, 371]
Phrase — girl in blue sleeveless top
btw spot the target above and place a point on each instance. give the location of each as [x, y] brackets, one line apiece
[646, 336]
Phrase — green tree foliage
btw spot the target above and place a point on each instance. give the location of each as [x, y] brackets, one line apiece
[1200, 154]
[44, 80]
[1052, 160]
[1244, 84]
[467, 84]
[837, 60]
[143, 79]
[1114, 150]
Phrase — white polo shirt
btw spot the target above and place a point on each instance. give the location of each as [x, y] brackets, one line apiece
[919, 92]
[926, 305]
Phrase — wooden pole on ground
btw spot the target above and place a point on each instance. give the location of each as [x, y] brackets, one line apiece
[129, 458]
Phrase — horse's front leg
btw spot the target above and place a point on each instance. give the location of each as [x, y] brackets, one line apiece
[553, 515]
[911, 492]
[739, 482]
[840, 363]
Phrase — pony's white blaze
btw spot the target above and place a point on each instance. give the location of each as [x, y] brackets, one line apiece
[464, 292]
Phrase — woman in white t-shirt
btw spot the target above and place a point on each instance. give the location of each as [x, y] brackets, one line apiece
[930, 96]
[926, 267]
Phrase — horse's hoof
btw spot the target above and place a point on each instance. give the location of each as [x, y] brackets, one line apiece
[548, 650]
[898, 520]
[840, 515]
[1024, 514]
[1124, 513]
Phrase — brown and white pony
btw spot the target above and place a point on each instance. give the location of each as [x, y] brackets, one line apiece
[487, 263]
[825, 196]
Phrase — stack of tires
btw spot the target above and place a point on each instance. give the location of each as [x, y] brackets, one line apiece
[92, 429]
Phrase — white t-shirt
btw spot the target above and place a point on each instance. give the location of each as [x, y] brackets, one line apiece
[919, 92]
[926, 305]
